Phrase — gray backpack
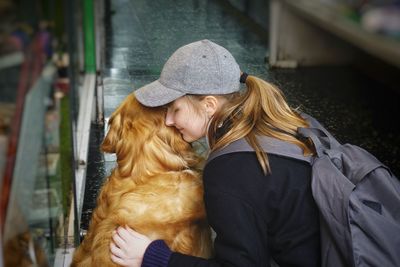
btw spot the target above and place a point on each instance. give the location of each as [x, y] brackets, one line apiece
[358, 198]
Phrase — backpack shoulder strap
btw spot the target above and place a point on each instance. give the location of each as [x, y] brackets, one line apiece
[275, 146]
[268, 144]
[321, 137]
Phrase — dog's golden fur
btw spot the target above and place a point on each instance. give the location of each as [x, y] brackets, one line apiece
[155, 188]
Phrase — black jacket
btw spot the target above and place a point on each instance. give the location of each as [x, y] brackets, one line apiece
[258, 217]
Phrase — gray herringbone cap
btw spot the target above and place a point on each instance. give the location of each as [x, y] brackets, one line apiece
[200, 68]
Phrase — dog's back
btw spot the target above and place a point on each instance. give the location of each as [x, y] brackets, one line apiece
[155, 188]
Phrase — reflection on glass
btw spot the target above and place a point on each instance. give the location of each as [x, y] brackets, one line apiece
[35, 218]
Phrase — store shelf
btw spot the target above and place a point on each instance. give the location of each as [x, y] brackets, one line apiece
[12, 59]
[314, 16]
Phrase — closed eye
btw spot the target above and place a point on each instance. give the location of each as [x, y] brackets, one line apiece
[172, 109]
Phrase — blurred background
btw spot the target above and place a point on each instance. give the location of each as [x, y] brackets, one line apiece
[65, 65]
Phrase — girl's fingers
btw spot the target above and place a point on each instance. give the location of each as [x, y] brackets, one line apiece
[134, 233]
[118, 240]
[123, 233]
[116, 251]
[117, 260]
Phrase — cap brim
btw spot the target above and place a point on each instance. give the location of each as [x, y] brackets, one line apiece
[155, 94]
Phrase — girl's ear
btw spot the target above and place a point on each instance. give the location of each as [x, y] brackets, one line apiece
[211, 104]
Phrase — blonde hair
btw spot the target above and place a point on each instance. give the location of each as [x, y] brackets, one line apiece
[260, 110]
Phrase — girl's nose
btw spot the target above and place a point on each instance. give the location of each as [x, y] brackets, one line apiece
[168, 119]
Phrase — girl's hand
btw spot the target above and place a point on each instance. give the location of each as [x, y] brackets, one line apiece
[128, 247]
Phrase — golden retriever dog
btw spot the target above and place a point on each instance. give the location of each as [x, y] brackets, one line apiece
[156, 187]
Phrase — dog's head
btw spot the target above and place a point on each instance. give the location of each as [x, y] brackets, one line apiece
[143, 144]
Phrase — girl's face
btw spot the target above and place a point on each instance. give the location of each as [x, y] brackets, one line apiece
[190, 122]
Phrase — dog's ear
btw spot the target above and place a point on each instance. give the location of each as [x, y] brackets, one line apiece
[113, 135]
[130, 127]
[120, 124]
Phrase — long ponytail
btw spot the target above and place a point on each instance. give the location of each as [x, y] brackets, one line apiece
[260, 110]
